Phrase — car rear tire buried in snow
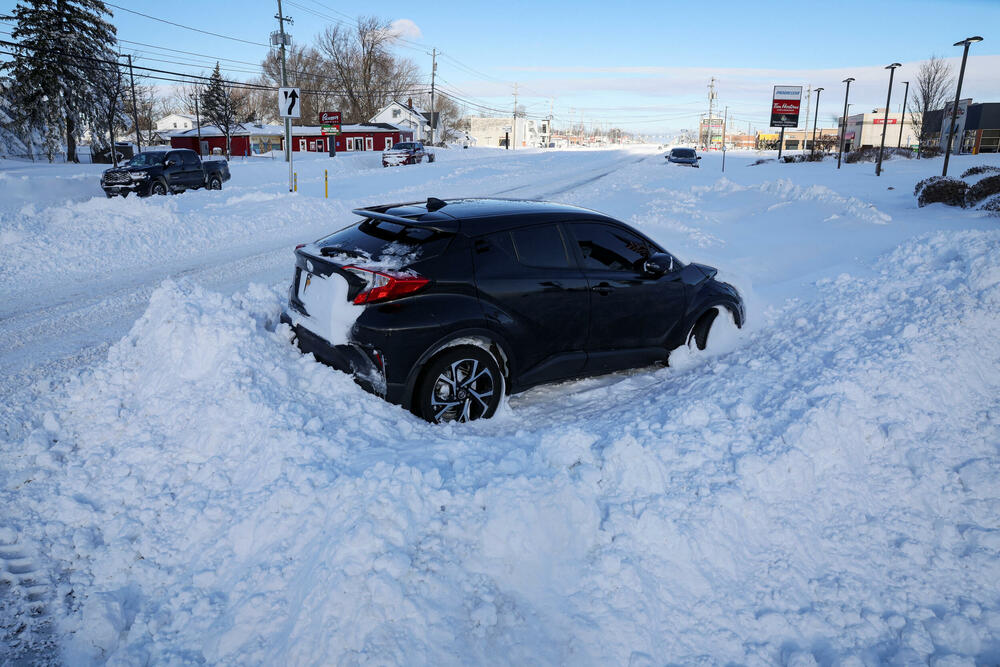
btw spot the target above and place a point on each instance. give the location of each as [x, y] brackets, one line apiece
[214, 183]
[463, 383]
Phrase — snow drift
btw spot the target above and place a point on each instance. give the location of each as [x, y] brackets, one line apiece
[827, 491]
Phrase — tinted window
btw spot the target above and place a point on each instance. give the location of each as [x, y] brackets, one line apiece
[610, 247]
[541, 245]
[175, 157]
[190, 159]
[404, 146]
[682, 152]
[379, 240]
[146, 159]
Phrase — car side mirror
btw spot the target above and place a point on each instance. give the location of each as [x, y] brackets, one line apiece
[699, 157]
[658, 264]
[169, 163]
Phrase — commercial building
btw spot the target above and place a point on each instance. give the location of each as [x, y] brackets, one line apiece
[978, 125]
[525, 133]
[798, 139]
[864, 130]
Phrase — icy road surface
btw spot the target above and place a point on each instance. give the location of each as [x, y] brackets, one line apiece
[179, 485]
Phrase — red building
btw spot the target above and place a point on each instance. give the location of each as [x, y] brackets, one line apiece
[250, 139]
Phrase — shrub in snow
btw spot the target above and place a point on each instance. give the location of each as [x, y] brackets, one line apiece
[921, 184]
[764, 161]
[987, 187]
[804, 157]
[992, 205]
[950, 191]
[980, 169]
[930, 151]
[870, 154]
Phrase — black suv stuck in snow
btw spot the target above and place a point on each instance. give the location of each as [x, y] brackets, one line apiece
[444, 306]
[157, 172]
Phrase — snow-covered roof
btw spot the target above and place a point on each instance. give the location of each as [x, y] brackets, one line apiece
[267, 129]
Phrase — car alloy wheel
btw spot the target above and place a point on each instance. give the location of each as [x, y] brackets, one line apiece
[158, 188]
[215, 183]
[462, 384]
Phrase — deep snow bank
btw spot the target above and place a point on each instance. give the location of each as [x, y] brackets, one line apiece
[827, 491]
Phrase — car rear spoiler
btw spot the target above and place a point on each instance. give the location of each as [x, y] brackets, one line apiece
[409, 222]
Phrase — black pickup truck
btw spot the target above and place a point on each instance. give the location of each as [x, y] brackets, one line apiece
[157, 172]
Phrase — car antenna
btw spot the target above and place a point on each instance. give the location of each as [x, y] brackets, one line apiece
[433, 204]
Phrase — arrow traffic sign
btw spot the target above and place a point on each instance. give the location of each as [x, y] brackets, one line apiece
[289, 102]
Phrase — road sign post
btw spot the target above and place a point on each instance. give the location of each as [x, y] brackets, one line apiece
[289, 106]
[330, 122]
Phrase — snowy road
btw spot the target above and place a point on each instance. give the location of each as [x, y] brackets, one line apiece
[63, 325]
[184, 487]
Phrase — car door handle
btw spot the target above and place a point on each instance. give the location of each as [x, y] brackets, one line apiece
[603, 289]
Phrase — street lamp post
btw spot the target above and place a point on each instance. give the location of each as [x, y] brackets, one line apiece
[843, 120]
[902, 120]
[954, 110]
[885, 121]
[815, 118]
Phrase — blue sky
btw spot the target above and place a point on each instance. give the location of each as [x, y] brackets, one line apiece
[644, 66]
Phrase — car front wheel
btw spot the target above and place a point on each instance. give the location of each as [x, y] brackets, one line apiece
[461, 384]
[158, 188]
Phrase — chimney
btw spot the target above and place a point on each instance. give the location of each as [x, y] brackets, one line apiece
[409, 103]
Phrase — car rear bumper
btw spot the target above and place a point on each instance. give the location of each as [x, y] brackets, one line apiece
[355, 360]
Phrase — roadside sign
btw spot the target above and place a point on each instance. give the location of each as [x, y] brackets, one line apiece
[289, 102]
[785, 106]
[330, 130]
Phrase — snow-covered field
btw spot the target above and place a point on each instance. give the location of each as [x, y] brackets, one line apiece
[179, 485]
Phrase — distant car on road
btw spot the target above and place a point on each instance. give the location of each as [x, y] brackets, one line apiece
[464, 300]
[406, 152]
[157, 172]
[683, 156]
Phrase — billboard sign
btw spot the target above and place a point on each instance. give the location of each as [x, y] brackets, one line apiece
[330, 120]
[881, 121]
[785, 106]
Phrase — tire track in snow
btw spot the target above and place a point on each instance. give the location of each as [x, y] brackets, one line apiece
[25, 624]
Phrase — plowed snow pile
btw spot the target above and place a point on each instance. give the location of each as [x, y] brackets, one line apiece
[827, 491]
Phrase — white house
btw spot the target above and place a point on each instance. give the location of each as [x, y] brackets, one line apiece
[176, 121]
[409, 117]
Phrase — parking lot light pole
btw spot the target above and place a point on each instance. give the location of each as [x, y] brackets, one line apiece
[843, 120]
[902, 120]
[816, 117]
[885, 121]
[954, 111]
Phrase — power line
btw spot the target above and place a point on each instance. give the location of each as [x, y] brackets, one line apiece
[186, 27]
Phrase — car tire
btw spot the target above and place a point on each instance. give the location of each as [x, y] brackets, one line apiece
[701, 329]
[214, 183]
[430, 158]
[158, 188]
[463, 383]
[108, 194]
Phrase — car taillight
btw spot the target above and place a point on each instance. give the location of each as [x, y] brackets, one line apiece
[383, 285]
[301, 245]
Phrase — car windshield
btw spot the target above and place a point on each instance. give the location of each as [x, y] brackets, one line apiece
[404, 146]
[682, 152]
[146, 159]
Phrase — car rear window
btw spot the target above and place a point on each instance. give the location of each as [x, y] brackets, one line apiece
[682, 152]
[385, 242]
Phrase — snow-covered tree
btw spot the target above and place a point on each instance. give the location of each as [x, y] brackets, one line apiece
[63, 46]
[223, 106]
[111, 107]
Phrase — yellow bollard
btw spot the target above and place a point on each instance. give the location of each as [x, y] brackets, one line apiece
[296, 181]
[326, 186]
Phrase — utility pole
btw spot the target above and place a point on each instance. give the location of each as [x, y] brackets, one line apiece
[708, 125]
[805, 134]
[902, 116]
[513, 126]
[551, 104]
[843, 120]
[135, 103]
[434, 67]
[885, 121]
[197, 119]
[816, 120]
[284, 84]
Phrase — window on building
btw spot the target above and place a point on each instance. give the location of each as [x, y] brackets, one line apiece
[396, 113]
[990, 142]
[175, 125]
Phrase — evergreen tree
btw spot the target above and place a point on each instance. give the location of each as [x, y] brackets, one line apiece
[223, 106]
[63, 48]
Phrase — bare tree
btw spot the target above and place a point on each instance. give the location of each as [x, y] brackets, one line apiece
[108, 87]
[930, 92]
[363, 69]
[305, 69]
